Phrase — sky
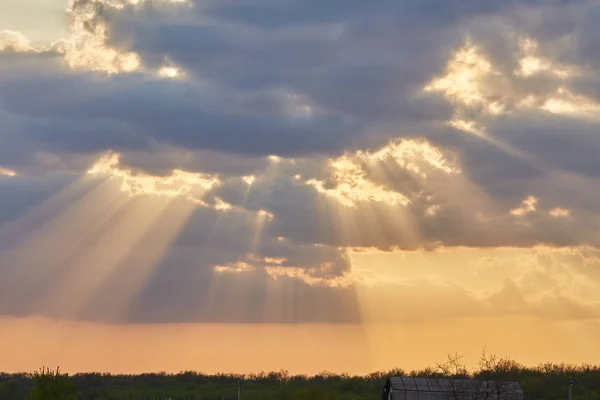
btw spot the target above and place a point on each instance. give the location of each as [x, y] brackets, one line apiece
[247, 185]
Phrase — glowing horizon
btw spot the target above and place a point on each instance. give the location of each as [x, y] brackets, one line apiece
[285, 183]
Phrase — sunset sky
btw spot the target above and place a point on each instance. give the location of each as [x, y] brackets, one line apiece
[310, 185]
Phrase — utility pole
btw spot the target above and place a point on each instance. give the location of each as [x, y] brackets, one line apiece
[571, 381]
[240, 389]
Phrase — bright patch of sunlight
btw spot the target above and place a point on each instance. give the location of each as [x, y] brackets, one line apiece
[527, 206]
[169, 72]
[464, 77]
[86, 47]
[222, 205]
[351, 186]
[7, 172]
[478, 90]
[567, 103]
[533, 63]
[350, 183]
[559, 212]
[249, 180]
[275, 261]
[274, 159]
[15, 41]
[274, 267]
[236, 267]
[179, 183]
[312, 276]
[412, 155]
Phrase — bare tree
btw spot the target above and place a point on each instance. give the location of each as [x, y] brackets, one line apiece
[454, 367]
[498, 372]
[488, 383]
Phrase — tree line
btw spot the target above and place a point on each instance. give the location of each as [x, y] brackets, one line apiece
[544, 382]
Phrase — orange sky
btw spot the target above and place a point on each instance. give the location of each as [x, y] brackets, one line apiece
[336, 189]
[29, 343]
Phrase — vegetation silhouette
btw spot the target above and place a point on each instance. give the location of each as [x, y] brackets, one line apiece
[544, 382]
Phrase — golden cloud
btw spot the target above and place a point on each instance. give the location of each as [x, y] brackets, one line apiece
[7, 172]
[464, 79]
[15, 41]
[527, 206]
[532, 63]
[311, 276]
[322, 274]
[86, 47]
[559, 212]
[473, 84]
[352, 185]
[179, 183]
[170, 72]
[236, 267]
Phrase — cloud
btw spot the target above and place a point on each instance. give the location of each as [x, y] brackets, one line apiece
[12, 41]
[560, 212]
[7, 172]
[337, 103]
[241, 149]
[528, 205]
[179, 184]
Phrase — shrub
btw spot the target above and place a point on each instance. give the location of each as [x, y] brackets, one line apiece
[52, 385]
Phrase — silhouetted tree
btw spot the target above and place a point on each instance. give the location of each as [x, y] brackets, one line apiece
[52, 385]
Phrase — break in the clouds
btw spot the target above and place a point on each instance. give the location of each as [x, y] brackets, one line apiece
[227, 161]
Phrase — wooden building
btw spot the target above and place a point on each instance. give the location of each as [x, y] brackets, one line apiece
[408, 388]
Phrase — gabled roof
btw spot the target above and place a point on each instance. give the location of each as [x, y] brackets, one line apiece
[453, 385]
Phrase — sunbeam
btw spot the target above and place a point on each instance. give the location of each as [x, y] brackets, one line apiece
[80, 280]
[138, 269]
[46, 209]
[45, 250]
[117, 229]
[261, 218]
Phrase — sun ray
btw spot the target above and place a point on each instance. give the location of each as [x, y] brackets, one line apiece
[473, 85]
[117, 224]
[261, 218]
[209, 298]
[55, 241]
[98, 261]
[249, 181]
[46, 209]
[138, 269]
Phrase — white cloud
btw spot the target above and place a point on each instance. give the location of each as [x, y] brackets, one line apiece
[14, 41]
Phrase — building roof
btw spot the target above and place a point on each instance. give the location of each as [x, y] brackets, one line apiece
[404, 383]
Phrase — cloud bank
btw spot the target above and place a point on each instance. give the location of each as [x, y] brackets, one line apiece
[224, 161]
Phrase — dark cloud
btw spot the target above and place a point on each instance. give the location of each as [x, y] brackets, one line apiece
[127, 114]
[588, 44]
[360, 68]
[568, 144]
[308, 82]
